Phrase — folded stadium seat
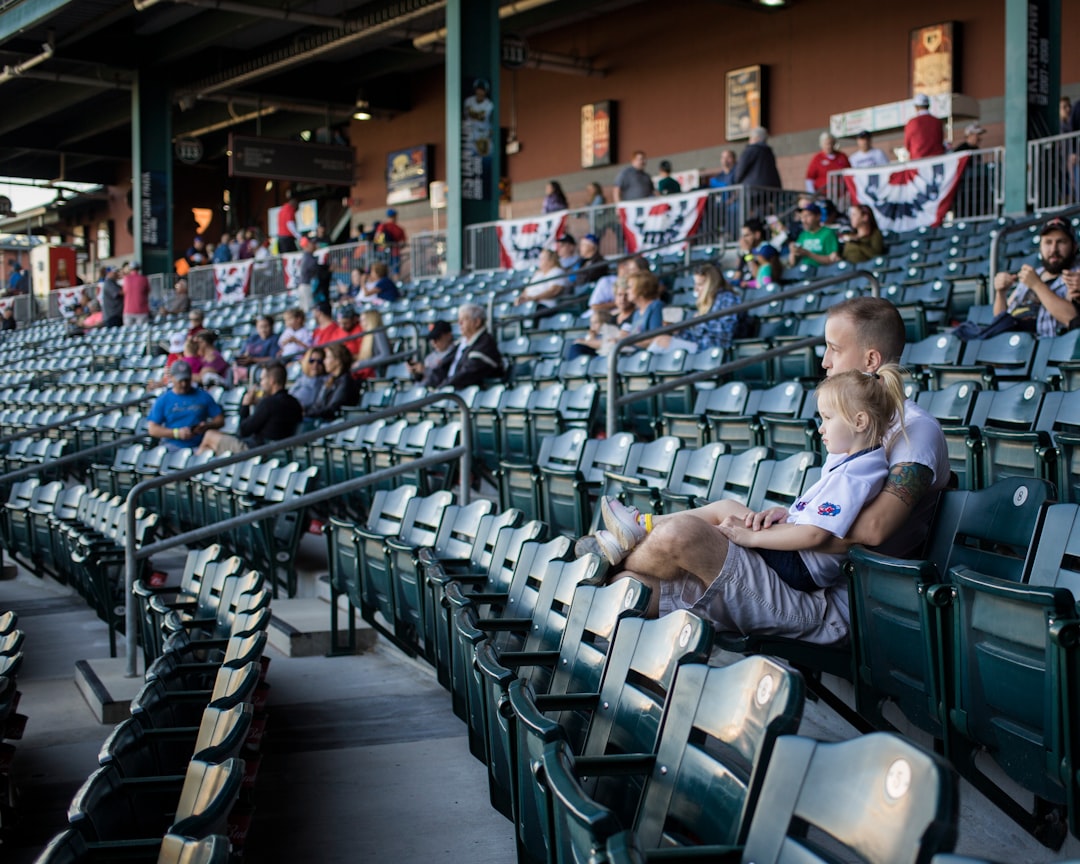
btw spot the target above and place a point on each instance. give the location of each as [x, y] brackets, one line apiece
[437, 441]
[634, 375]
[70, 847]
[701, 786]
[691, 476]
[241, 594]
[387, 515]
[918, 357]
[181, 669]
[621, 716]
[187, 592]
[343, 564]
[954, 408]
[692, 427]
[573, 373]
[1012, 664]
[924, 306]
[1057, 361]
[736, 475]
[1004, 358]
[1065, 433]
[381, 451]
[206, 578]
[786, 434]
[271, 543]
[665, 367]
[509, 613]
[537, 634]
[136, 751]
[779, 482]
[520, 442]
[647, 470]
[560, 508]
[195, 804]
[575, 664]
[761, 373]
[175, 498]
[487, 422]
[104, 476]
[1012, 438]
[157, 707]
[900, 610]
[25, 496]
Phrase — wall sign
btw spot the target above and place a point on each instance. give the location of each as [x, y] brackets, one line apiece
[743, 107]
[408, 173]
[598, 134]
[933, 59]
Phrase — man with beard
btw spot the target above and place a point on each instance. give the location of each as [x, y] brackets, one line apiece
[1044, 290]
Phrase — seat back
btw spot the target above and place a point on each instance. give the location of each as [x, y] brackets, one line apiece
[207, 798]
[780, 484]
[842, 790]
[737, 482]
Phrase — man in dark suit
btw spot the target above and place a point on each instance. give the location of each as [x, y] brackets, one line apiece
[476, 359]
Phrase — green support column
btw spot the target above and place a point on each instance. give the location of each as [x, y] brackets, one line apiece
[151, 173]
[473, 152]
[1031, 89]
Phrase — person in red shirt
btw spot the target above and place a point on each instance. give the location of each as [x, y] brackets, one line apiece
[287, 232]
[923, 133]
[136, 296]
[827, 159]
[349, 324]
[389, 238]
[326, 328]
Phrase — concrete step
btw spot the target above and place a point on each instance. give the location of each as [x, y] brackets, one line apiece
[301, 628]
[106, 688]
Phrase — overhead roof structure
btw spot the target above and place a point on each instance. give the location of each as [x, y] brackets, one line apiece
[67, 68]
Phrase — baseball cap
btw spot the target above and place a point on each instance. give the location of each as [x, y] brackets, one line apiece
[1057, 224]
[592, 238]
[438, 329]
[922, 100]
[324, 307]
[135, 265]
[180, 371]
[176, 342]
[346, 312]
[974, 129]
[566, 238]
[391, 212]
[863, 134]
[766, 249]
[817, 208]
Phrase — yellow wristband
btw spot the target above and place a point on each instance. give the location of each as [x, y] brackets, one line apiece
[648, 523]
[175, 433]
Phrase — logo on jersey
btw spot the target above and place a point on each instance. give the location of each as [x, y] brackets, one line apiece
[800, 506]
[828, 509]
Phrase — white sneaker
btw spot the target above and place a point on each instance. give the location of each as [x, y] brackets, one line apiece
[622, 522]
[609, 546]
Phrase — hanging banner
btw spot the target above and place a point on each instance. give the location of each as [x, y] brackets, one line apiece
[911, 194]
[231, 280]
[520, 240]
[661, 223]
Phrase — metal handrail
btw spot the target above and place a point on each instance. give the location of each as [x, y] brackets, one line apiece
[614, 401]
[132, 555]
[1016, 228]
[77, 456]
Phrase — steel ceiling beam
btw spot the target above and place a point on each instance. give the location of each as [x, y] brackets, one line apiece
[27, 15]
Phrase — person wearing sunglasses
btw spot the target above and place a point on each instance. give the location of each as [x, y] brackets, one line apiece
[312, 378]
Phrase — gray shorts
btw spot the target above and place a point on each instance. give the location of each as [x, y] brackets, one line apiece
[749, 598]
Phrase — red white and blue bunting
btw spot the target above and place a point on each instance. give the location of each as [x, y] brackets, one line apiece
[910, 195]
[520, 240]
[661, 224]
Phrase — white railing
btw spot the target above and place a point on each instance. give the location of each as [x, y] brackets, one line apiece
[725, 212]
[1053, 171]
[979, 195]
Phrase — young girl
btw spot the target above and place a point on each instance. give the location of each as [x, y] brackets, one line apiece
[857, 411]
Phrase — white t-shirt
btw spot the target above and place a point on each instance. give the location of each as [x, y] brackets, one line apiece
[291, 349]
[847, 483]
[546, 280]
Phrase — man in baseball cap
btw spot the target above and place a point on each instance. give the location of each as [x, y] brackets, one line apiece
[181, 414]
[1044, 297]
[440, 336]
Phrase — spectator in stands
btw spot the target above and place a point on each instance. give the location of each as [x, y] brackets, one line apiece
[287, 232]
[381, 287]
[277, 416]
[312, 377]
[757, 163]
[644, 292]
[973, 133]
[223, 251]
[112, 299]
[566, 251]
[751, 236]
[7, 318]
[191, 355]
[711, 294]
[181, 415]
[308, 275]
[196, 319]
[295, 339]
[595, 194]
[766, 266]
[326, 328]
[632, 183]
[136, 290]
[923, 133]
[667, 184]
[196, 253]
[19, 279]
[1039, 297]
[826, 160]
[602, 298]
[726, 175]
[863, 241]
[476, 358]
[389, 238]
[591, 265]
[373, 346]
[215, 368]
[866, 155]
[685, 553]
[180, 302]
[554, 197]
[440, 338]
[261, 346]
[339, 389]
[547, 282]
[349, 325]
[816, 243]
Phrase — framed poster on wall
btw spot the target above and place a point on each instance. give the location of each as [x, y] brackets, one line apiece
[597, 134]
[408, 173]
[934, 51]
[744, 101]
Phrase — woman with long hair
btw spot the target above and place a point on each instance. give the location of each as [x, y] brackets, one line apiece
[864, 242]
[595, 194]
[373, 345]
[711, 294]
[339, 389]
[554, 197]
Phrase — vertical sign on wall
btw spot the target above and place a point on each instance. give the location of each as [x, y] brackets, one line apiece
[744, 101]
[597, 134]
[1038, 68]
[477, 141]
[933, 59]
[154, 205]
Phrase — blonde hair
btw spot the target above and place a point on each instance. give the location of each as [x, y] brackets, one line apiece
[879, 395]
[648, 286]
[714, 284]
[369, 320]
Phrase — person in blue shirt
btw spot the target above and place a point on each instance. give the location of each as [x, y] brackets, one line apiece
[381, 287]
[181, 415]
[644, 290]
[262, 344]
